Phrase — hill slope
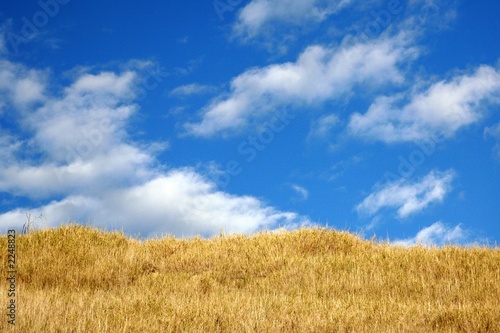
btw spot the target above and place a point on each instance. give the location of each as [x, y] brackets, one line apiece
[79, 279]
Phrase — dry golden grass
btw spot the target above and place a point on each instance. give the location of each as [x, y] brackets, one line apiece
[79, 279]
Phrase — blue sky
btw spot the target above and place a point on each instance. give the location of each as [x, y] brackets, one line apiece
[188, 118]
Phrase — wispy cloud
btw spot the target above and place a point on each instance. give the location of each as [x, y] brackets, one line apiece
[339, 168]
[436, 234]
[3, 47]
[408, 198]
[301, 191]
[192, 89]
[318, 75]
[442, 108]
[323, 126]
[494, 132]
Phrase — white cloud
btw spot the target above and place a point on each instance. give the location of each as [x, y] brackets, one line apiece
[436, 234]
[90, 176]
[81, 138]
[443, 108]
[191, 89]
[301, 191]
[259, 15]
[105, 84]
[9, 146]
[89, 117]
[409, 198]
[21, 86]
[75, 150]
[180, 202]
[318, 75]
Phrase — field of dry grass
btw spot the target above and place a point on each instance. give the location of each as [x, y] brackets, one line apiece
[79, 279]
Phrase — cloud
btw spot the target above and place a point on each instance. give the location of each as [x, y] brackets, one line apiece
[409, 198]
[180, 202]
[91, 176]
[318, 75]
[3, 45]
[81, 140]
[323, 126]
[260, 15]
[3, 48]
[494, 132]
[75, 156]
[21, 86]
[443, 108]
[89, 118]
[301, 191]
[436, 234]
[339, 168]
[191, 89]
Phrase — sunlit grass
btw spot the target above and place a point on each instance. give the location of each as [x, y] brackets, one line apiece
[79, 279]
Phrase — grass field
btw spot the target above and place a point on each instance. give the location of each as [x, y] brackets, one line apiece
[80, 279]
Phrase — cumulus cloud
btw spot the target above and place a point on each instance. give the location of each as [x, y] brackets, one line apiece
[436, 234]
[27, 178]
[80, 136]
[318, 75]
[89, 117]
[442, 108]
[75, 155]
[408, 198]
[180, 202]
[258, 15]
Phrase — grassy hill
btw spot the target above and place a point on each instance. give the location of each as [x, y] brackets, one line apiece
[80, 279]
